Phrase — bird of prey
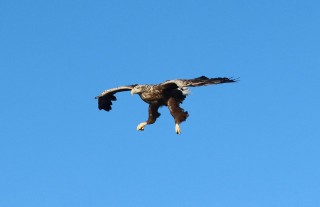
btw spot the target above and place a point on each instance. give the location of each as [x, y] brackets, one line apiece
[170, 93]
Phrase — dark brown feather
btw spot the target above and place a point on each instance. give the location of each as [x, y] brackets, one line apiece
[106, 97]
[153, 113]
[177, 113]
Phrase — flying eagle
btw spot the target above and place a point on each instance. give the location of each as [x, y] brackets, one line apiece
[170, 93]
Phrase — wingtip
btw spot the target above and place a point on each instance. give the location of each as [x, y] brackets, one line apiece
[235, 79]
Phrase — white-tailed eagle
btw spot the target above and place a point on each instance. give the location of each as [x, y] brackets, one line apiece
[170, 93]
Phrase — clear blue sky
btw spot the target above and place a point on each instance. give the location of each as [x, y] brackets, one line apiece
[253, 144]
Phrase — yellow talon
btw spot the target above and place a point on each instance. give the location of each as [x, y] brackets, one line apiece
[178, 129]
[141, 126]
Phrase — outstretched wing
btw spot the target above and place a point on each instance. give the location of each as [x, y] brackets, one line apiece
[106, 97]
[201, 81]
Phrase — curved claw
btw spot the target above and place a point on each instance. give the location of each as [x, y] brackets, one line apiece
[141, 126]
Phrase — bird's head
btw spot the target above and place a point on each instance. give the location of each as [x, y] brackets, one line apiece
[137, 89]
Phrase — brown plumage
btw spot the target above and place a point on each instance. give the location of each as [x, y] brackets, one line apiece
[170, 93]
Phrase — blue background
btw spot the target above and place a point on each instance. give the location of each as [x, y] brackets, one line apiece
[252, 143]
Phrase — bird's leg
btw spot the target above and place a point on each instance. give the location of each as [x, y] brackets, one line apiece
[178, 113]
[141, 126]
[153, 115]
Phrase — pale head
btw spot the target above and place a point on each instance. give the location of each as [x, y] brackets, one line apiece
[137, 89]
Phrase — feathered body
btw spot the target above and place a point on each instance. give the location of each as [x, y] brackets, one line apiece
[170, 93]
